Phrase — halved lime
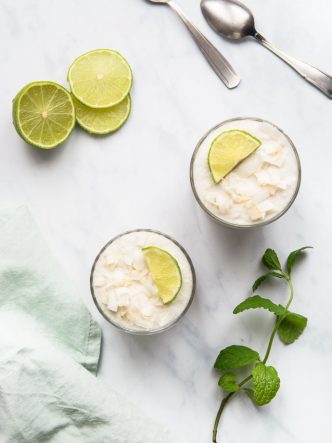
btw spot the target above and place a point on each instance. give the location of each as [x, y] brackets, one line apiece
[44, 114]
[165, 272]
[102, 121]
[228, 150]
[100, 79]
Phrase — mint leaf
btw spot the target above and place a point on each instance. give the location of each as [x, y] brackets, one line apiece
[258, 302]
[265, 383]
[261, 279]
[271, 260]
[292, 327]
[293, 256]
[228, 382]
[235, 357]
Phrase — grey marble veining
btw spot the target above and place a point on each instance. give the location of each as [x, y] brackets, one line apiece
[91, 189]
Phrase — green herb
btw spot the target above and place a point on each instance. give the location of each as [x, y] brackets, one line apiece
[265, 382]
[293, 258]
[261, 279]
[271, 260]
[262, 382]
[235, 357]
[291, 328]
[228, 382]
[257, 302]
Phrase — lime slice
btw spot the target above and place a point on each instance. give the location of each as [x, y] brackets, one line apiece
[100, 78]
[44, 114]
[102, 121]
[165, 272]
[228, 150]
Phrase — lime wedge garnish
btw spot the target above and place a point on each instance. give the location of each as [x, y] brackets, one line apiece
[44, 114]
[228, 150]
[165, 272]
[100, 79]
[102, 121]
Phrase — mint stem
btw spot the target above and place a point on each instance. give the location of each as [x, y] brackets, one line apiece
[222, 407]
[220, 411]
[226, 399]
[281, 318]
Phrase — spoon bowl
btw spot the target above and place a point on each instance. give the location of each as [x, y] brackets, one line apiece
[233, 20]
[229, 18]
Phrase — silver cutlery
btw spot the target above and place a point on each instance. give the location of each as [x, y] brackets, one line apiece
[217, 61]
[235, 21]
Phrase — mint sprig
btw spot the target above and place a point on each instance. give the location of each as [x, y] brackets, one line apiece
[262, 382]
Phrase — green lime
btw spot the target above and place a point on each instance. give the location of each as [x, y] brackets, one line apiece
[102, 121]
[100, 79]
[228, 150]
[165, 272]
[44, 114]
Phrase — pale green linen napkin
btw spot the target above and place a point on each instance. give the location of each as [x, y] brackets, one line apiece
[49, 351]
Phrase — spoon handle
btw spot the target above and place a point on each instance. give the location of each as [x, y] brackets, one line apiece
[317, 78]
[217, 61]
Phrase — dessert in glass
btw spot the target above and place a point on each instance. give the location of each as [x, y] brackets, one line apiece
[142, 282]
[245, 173]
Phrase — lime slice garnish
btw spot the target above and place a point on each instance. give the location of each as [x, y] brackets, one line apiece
[228, 150]
[102, 121]
[165, 272]
[44, 114]
[100, 79]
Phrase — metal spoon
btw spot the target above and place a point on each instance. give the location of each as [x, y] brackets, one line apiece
[234, 20]
[217, 61]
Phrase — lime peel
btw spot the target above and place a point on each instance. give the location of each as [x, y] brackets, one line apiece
[165, 271]
[224, 157]
[102, 121]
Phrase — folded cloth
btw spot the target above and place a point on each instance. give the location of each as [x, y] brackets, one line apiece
[49, 352]
[32, 282]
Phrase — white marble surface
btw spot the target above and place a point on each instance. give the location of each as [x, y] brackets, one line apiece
[92, 189]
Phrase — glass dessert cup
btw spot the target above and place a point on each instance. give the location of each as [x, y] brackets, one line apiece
[210, 136]
[189, 285]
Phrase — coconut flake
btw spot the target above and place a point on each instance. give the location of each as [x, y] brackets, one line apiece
[112, 302]
[100, 281]
[249, 166]
[255, 213]
[109, 259]
[266, 206]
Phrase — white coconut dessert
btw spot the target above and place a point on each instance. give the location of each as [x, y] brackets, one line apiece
[143, 282]
[245, 172]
